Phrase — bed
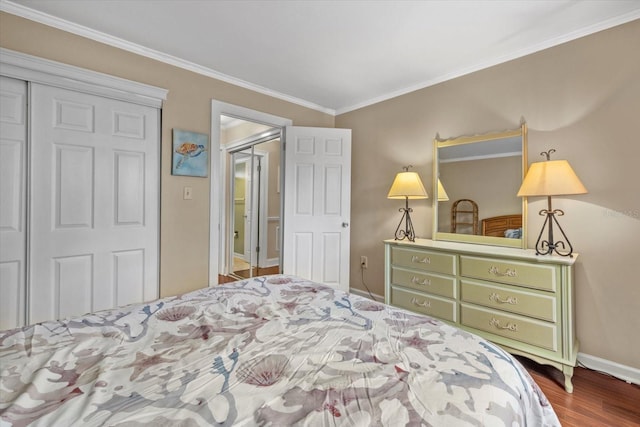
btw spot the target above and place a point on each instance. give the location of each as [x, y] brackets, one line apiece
[503, 226]
[269, 351]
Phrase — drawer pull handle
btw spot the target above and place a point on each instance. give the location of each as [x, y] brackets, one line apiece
[510, 326]
[416, 281]
[509, 300]
[424, 304]
[425, 260]
[508, 272]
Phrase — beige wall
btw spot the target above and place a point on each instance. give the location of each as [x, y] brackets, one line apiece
[581, 98]
[184, 233]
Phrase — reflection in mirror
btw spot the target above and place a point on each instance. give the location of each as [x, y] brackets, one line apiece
[252, 224]
[482, 175]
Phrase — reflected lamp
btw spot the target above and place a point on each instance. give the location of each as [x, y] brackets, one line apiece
[551, 178]
[407, 185]
[442, 195]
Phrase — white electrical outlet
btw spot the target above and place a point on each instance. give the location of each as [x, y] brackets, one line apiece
[364, 262]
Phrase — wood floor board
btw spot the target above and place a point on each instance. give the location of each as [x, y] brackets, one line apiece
[597, 399]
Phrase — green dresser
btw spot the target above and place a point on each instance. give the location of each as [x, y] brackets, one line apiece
[513, 297]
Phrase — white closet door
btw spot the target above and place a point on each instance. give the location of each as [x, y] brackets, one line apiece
[94, 203]
[13, 166]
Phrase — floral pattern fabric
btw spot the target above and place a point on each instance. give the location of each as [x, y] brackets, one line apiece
[269, 351]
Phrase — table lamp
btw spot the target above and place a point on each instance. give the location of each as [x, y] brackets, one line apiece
[407, 185]
[551, 178]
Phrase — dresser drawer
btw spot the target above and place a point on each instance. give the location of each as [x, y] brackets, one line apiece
[522, 329]
[538, 276]
[509, 298]
[424, 260]
[425, 304]
[423, 281]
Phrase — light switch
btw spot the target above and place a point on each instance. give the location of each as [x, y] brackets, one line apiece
[187, 193]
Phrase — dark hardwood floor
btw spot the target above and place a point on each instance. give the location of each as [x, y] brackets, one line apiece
[597, 399]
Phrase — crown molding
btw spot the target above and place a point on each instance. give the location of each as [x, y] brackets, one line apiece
[39, 70]
[582, 32]
[80, 30]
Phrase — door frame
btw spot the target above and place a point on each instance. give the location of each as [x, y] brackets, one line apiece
[217, 212]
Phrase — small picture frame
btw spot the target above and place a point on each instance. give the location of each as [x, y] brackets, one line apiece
[190, 153]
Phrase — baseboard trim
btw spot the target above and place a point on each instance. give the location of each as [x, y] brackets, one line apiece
[623, 372]
[365, 294]
[272, 262]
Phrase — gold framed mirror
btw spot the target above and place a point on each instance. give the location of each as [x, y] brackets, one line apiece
[475, 182]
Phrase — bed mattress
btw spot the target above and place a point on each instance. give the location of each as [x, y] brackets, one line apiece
[269, 351]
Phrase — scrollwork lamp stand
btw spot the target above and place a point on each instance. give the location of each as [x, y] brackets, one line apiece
[548, 246]
[551, 178]
[408, 232]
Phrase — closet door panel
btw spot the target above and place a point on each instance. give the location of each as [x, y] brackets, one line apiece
[95, 201]
[13, 166]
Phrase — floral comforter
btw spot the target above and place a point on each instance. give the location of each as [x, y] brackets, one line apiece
[270, 351]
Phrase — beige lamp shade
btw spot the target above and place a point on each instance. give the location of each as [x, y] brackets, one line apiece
[407, 185]
[442, 195]
[551, 178]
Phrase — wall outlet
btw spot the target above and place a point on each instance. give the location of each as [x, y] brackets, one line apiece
[187, 193]
[364, 262]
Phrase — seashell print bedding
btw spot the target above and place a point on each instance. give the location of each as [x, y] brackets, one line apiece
[269, 351]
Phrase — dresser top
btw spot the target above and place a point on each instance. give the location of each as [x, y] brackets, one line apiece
[474, 249]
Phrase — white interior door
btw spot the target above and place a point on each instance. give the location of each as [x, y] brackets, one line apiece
[94, 203]
[13, 166]
[317, 204]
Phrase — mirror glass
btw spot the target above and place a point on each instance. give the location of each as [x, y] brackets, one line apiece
[476, 179]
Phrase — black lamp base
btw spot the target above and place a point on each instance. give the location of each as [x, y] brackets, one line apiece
[408, 232]
[549, 246]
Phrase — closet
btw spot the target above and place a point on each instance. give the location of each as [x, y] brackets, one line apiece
[79, 190]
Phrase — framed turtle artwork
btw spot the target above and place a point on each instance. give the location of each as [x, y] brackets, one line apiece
[190, 153]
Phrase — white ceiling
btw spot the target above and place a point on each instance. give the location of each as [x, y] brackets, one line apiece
[333, 56]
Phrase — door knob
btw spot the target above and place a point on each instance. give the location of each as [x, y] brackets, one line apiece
[345, 224]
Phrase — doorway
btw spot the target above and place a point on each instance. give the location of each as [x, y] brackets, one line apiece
[314, 216]
[219, 239]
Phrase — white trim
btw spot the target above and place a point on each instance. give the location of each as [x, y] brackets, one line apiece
[267, 135]
[217, 215]
[365, 294]
[623, 372]
[34, 69]
[272, 262]
[70, 27]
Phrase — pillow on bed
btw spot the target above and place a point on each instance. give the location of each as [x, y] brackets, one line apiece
[513, 233]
